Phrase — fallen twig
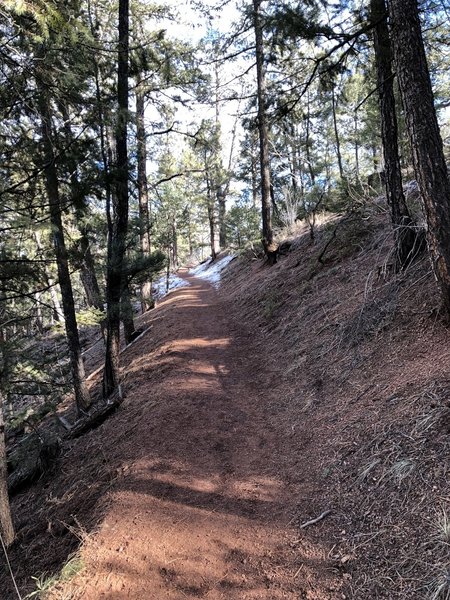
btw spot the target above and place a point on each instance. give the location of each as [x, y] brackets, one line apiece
[64, 422]
[298, 570]
[316, 520]
[97, 414]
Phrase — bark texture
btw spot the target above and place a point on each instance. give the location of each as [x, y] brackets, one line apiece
[211, 216]
[270, 248]
[424, 135]
[404, 234]
[126, 310]
[142, 185]
[118, 223]
[221, 204]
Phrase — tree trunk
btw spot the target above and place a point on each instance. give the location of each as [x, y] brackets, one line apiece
[219, 183]
[142, 185]
[118, 223]
[88, 275]
[336, 135]
[101, 117]
[221, 203]
[424, 135]
[405, 237]
[39, 316]
[189, 233]
[211, 220]
[57, 310]
[254, 169]
[174, 243]
[82, 397]
[308, 144]
[270, 247]
[126, 315]
[6, 524]
[356, 134]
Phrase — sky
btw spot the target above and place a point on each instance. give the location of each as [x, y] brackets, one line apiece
[193, 24]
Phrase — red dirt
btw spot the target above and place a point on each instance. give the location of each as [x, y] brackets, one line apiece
[202, 504]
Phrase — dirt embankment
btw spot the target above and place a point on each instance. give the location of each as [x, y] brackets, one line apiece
[296, 390]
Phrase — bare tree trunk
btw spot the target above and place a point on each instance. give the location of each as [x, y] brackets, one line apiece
[126, 315]
[270, 247]
[308, 144]
[356, 134]
[6, 524]
[254, 168]
[118, 224]
[101, 118]
[142, 185]
[424, 135]
[88, 276]
[82, 397]
[39, 316]
[219, 183]
[174, 243]
[336, 134]
[405, 237]
[221, 204]
[189, 232]
[211, 219]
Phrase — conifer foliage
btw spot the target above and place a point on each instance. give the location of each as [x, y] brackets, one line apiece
[128, 149]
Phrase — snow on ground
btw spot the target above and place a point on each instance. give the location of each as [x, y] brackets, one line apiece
[211, 271]
[159, 287]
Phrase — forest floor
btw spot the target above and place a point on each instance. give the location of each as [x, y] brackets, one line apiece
[307, 387]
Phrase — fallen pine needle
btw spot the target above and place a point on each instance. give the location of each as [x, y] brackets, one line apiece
[298, 571]
[316, 520]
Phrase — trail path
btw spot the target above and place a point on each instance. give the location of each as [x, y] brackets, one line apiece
[202, 507]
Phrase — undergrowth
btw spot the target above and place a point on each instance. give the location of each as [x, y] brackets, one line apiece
[47, 583]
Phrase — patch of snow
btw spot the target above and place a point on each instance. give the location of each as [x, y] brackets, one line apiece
[201, 267]
[159, 287]
[211, 271]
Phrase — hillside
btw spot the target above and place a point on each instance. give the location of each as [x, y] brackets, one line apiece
[293, 390]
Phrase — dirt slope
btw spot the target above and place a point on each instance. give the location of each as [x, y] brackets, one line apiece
[202, 510]
[365, 389]
[201, 500]
[310, 386]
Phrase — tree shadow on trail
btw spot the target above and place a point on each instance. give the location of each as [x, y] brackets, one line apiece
[193, 432]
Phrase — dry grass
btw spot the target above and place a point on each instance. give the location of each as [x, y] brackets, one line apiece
[365, 394]
[402, 479]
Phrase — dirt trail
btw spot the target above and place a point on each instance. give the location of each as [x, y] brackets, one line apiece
[202, 507]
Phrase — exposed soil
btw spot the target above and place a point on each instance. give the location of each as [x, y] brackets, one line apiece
[297, 389]
[192, 486]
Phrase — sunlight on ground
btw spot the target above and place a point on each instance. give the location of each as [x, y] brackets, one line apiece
[265, 489]
[186, 344]
[175, 349]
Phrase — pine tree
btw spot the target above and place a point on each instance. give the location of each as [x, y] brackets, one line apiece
[405, 238]
[424, 134]
[118, 222]
[270, 247]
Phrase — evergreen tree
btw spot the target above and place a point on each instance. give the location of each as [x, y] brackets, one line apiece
[118, 217]
[424, 134]
[400, 217]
